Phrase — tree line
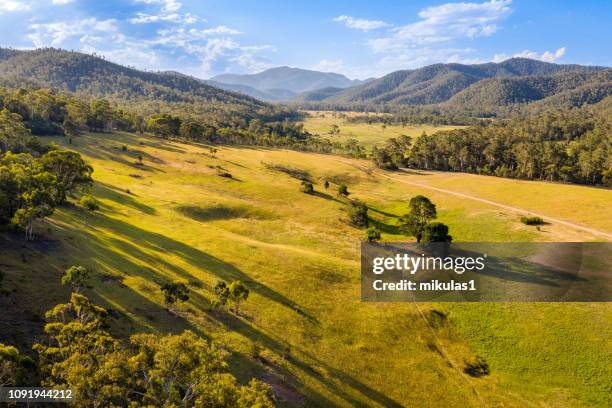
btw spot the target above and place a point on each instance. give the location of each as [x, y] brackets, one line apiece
[571, 146]
[47, 112]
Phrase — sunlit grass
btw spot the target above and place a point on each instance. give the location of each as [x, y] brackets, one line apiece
[304, 328]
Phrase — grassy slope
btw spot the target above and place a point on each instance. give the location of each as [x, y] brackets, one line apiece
[319, 122]
[304, 326]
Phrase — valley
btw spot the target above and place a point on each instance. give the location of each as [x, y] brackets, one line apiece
[303, 330]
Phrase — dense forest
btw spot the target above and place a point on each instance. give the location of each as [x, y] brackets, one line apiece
[572, 145]
[481, 90]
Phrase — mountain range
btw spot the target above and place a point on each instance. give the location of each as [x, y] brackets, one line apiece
[517, 80]
[477, 89]
[282, 83]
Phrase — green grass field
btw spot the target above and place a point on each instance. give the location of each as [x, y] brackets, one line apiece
[319, 122]
[304, 329]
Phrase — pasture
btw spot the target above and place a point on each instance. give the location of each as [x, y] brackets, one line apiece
[180, 217]
[320, 122]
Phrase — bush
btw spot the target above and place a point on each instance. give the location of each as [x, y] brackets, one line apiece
[372, 234]
[343, 190]
[477, 368]
[532, 220]
[89, 203]
[307, 187]
[358, 213]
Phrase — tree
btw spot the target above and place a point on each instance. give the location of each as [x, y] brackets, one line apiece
[358, 213]
[436, 232]
[372, 234]
[37, 202]
[422, 210]
[326, 184]
[164, 125]
[174, 292]
[213, 152]
[71, 171]
[222, 294]
[334, 130]
[307, 187]
[343, 190]
[191, 130]
[238, 293]
[16, 369]
[76, 276]
[71, 128]
[151, 370]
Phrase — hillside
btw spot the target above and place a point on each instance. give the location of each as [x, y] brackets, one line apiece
[94, 76]
[304, 328]
[560, 90]
[283, 83]
[439, 83]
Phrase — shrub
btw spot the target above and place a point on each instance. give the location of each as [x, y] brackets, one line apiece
[532, 220]
[124, 148]
[372, 234]
[358, 213]
[343, 190]
[307, 187]
[477, 368]
[89, 203]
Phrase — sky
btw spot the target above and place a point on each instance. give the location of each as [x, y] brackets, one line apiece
[360, 39]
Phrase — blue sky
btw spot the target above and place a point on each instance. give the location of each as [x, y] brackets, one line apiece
[357, 38]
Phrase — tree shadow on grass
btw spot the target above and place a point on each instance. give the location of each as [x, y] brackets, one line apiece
[240, 326]
[385, 228]
[199, 259]
[109, 192]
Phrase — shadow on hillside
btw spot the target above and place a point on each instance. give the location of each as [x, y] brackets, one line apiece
[413, 172]
[102, 150]
[326, 196]
[109, 192]
[155, 243]
[385, 228]
[291, 354]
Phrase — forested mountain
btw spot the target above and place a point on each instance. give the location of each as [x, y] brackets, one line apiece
[93, 76]
[499, 83]
[560, 90]
[283, 83]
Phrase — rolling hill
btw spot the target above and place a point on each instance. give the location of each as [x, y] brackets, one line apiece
[516, 80]
[283, 83]
[91, 75]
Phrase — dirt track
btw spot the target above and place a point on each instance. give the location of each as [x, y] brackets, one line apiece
[482, 200]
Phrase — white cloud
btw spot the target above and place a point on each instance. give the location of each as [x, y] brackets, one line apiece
[167, 13]
[180, 41]
[361, 24]
[55, 34]
[445, 23]
[546, 56]
[13, 5]
[62, 2]
[143, 18]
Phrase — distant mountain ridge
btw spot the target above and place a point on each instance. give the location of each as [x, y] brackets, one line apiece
[439, 83]
[283, 83]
